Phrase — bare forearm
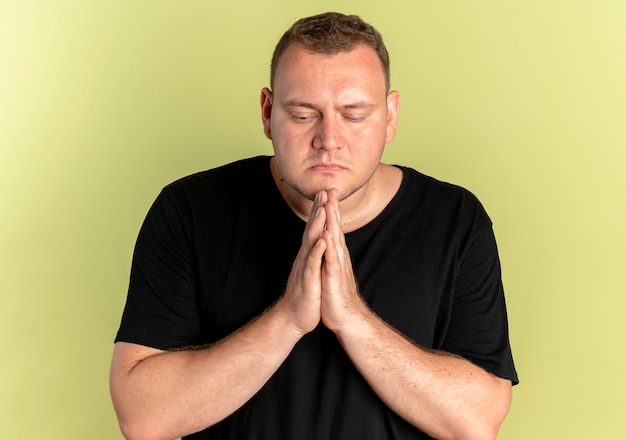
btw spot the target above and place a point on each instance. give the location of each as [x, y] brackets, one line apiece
[176, 393]
[444, 395]
[170, 394]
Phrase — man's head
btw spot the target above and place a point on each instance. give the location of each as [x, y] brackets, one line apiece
[331, 33]
[329, 113]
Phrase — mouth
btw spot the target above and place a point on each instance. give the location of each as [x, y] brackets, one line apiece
[327, 167]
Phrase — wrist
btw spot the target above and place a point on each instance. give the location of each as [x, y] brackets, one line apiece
[290, 323]
[357, 321]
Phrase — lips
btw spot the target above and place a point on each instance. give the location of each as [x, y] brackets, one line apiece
[328, 167]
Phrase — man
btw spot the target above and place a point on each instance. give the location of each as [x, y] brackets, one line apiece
[317, 294]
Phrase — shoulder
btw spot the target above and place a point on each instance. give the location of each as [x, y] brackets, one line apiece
[228, 175]
[429, 192]
[231, 181]
[221, 190]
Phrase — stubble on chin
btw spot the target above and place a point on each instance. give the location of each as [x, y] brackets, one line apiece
[310, 194]
[309, 190]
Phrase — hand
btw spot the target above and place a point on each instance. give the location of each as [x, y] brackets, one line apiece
[302, 297]
[340, 298]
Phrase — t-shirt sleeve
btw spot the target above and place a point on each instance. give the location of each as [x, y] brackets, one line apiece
[478, 329]
[161, 307]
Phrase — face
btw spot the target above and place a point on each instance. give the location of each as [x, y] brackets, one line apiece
[329, 118]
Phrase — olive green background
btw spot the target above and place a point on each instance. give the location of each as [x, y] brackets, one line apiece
[104, 102]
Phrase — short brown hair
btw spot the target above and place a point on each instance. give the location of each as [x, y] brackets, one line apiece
[331, 33]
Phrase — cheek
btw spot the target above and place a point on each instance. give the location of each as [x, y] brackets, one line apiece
[369, 142]
[285, 133]
[372, 132]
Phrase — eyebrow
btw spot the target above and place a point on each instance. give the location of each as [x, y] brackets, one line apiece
[351, 106]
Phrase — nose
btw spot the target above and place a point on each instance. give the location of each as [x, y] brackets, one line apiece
[327, 135]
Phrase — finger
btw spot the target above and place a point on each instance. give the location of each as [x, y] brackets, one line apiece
[333, 218]
[314, 261]
[311, 272]
[332, 260]
[322, 197]
[302, 295]
[316, 222]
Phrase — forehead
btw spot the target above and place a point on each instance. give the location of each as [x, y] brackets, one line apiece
[299, 66]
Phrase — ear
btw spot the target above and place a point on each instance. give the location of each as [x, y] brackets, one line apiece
[266, 111]
[393, 108]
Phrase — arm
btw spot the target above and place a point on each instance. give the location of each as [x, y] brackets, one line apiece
[444, 395]
[164, 395]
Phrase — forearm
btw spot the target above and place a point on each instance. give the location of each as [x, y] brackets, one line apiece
[445, 396]
[170, 394]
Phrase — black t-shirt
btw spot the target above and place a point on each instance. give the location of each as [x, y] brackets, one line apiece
[216, 249]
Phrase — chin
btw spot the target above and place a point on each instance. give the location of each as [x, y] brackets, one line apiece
[310, 192]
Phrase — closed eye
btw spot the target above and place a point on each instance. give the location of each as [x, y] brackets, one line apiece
[354, 118]
[302, 117]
